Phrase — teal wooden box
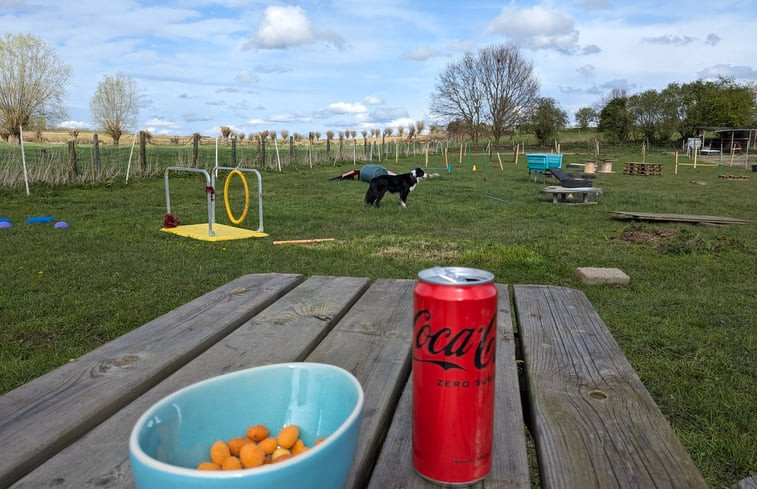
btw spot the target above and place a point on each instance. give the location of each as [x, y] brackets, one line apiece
[541, 162]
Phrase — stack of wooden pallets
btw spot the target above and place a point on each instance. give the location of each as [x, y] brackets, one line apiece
[631, 168]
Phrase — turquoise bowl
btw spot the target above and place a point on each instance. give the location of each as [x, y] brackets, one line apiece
[175, 434]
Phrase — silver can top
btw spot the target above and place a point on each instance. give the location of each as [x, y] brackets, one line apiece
[455, 276]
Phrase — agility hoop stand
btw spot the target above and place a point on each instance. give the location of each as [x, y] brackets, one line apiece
[218, 232]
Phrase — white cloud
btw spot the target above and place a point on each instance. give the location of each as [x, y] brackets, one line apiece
[162, 123]
[192, 117]
[401, 122]
[669, 39]
[590, 49]
[728, 71]
[291, 118]
[387, 114]
[285, 27]
[536, 28]
[75, 125]
[373, 100]
[346, 108]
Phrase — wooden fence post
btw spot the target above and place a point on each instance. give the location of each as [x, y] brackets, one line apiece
[73, 171]
[195, 148]
[291, 149]
[142, 152]
[96, 152]
[234, 151]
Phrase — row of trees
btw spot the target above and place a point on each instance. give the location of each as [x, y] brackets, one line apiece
[495, 91]
[33, 80]
[413, 130]
[492, 92]
[678, 111]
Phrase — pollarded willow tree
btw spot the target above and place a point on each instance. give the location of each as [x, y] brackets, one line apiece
[33, 81]
[496, 87]
[115, 105]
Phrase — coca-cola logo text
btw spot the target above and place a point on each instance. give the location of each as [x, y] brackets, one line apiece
[449, 346]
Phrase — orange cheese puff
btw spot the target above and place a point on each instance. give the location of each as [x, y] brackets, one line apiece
[236, 443]
[208, 466]
[219, 452]
[319, 440]
[298, 447]
[231, 463]
[280, 452]
[288, 435]
[268, 445]
[281, 458]
[251, 455]
[257, 433]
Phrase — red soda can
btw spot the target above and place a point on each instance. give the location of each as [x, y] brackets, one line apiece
[454, 343]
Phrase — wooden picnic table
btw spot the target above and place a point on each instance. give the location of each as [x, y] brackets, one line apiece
[592, 422]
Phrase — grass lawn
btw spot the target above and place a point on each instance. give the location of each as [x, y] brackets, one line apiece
[686, 321]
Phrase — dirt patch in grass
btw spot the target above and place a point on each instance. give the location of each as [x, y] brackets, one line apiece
[645, 236]
[670, 241]
[425, 250]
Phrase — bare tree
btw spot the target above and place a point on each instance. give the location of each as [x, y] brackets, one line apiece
[510, 87]
[497, 87]
[458, 96]
[115, 105]
[32, 82]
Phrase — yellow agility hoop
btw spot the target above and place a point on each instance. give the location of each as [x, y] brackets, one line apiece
[246, 197]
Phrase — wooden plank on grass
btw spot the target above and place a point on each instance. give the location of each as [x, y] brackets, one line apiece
[652, 216]
[373, 342]
[46, 414]
[593, 421]
[285, 331]
[394, 469]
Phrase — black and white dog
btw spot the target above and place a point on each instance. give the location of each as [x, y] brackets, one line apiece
[397, 184]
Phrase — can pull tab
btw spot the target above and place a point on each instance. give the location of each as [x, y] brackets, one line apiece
[447, 274]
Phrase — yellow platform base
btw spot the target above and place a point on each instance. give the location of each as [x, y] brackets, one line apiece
[222, 232]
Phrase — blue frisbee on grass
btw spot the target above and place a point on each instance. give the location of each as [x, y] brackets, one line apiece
[40, 219]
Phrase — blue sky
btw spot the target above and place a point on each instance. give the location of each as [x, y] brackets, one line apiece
[319, 65]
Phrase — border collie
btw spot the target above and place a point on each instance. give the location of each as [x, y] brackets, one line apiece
[397, 184]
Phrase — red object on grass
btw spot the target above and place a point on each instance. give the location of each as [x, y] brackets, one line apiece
[170, 221]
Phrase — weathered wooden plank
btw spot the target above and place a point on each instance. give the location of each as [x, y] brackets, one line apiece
[285, 331]
[41, 417]
[593, 421]
[394, 468]
[373, 342]
[654, 216]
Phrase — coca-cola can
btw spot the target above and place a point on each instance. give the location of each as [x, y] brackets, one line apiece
[454, 343]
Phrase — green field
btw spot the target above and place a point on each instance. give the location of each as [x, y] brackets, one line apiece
[686, 321]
